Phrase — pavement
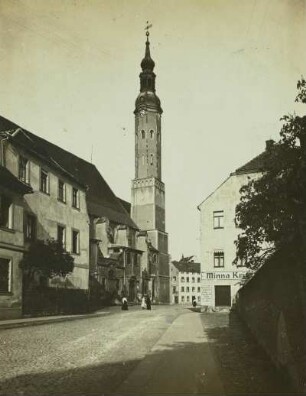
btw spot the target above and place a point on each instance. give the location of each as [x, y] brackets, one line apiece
[169, 350]
[181, 362]
[36, 321]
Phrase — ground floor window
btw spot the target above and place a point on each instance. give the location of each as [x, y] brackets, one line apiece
[199, 299]
[5, 284]
[222, 296]
[187, 298]
[182, 299]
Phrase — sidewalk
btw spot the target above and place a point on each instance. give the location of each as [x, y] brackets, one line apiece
[23, 322]
[181, 362]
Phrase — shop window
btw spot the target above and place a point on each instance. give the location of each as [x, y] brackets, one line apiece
[219, 259]
[218, 216]
[5, 282]
[44, 181]
[6, 212]
[24, 169]
[61, 191]
[61, 235]
[75, 198]
[30, 227]
[75, 242]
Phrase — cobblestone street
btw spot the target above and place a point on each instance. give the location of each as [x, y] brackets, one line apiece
[109, 354]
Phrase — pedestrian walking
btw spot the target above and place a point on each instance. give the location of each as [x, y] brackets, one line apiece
[124, 305]
[143, 303]
[148, 302]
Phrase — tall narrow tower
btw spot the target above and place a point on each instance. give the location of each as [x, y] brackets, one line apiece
[148, 190]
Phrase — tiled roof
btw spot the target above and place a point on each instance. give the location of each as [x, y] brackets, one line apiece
[256, 164]
[9, 181]
[187, 266]
[101, 200]
[126, 205]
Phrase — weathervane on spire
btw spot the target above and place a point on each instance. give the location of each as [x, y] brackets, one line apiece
[147, 29]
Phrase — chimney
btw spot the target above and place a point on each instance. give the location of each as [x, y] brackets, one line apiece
[269, 144]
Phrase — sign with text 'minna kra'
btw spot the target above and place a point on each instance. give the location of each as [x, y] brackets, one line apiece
[222, 275]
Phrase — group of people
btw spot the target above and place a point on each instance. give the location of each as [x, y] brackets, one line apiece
[145, 303]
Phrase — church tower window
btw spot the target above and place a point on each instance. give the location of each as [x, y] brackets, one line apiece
[152, 133]
[143, 134]
[152, 159]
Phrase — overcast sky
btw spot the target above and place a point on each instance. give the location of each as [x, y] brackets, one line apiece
[226, 72]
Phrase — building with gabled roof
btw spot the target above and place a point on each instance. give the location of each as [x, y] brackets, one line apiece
[220, 277]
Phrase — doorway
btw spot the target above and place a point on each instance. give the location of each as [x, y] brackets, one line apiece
[222, 296]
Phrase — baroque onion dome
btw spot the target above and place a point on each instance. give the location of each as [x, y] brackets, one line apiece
[147, 99]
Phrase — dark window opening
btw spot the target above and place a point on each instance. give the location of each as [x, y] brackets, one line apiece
[4, 275]
[5, 211]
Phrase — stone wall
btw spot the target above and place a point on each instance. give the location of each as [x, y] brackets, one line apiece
[273, 304]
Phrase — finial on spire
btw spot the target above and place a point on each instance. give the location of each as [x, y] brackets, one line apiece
[147, 30]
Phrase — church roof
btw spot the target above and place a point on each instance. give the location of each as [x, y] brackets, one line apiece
[101, 200]
[189, 266]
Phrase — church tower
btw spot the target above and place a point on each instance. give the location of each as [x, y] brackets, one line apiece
[148, 190]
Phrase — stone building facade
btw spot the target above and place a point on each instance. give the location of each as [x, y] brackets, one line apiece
[220, 277]
[148, 190]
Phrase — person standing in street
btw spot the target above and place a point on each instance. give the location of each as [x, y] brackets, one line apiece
[124, 305]
[143, 303]
[148, 302]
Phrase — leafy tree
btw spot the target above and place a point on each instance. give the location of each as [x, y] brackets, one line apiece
[47, 259]
[272, 208]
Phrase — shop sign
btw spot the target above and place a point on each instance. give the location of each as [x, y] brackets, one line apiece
[231, 275]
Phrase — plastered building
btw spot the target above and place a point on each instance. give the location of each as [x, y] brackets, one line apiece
[220, 277]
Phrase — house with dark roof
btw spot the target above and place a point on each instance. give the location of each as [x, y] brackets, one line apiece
[185, 282]
[12, 247]
[57, 208]
[71, 202]
[220, 277]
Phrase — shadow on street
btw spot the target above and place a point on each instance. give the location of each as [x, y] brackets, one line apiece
[243, 367]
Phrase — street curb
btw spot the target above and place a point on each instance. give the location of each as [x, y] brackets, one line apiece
[39, 322]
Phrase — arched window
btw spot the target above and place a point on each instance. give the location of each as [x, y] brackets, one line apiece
[152, 157]
[143, 134]
[152, 133]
